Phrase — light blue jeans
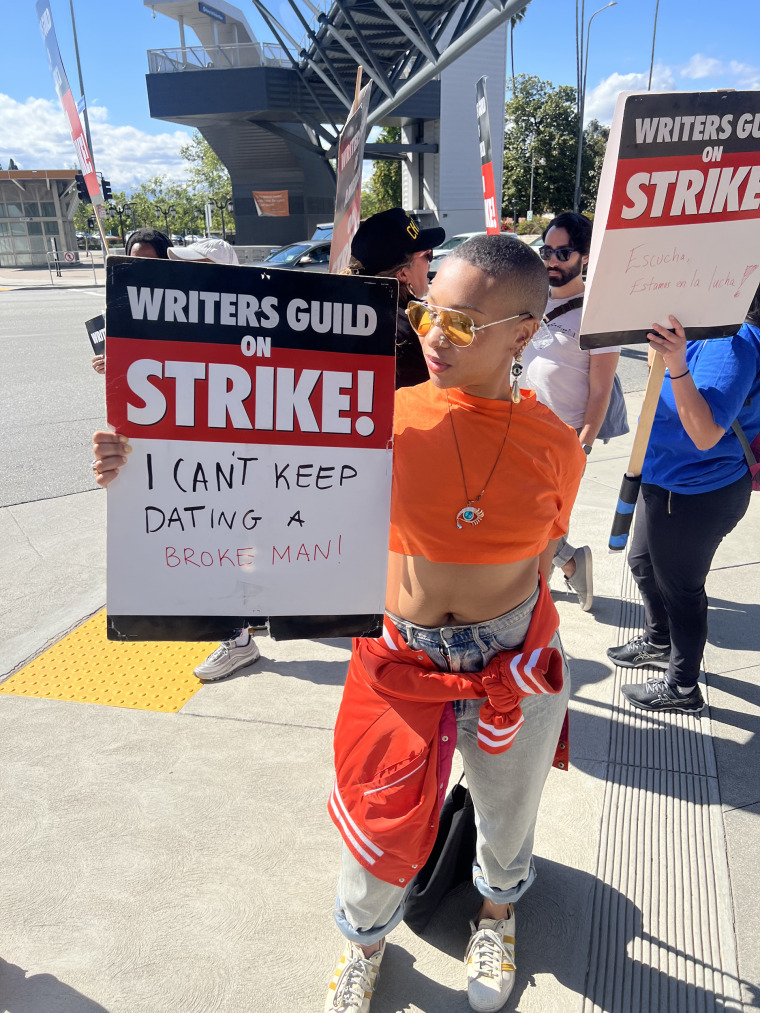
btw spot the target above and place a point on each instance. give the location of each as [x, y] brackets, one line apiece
[506, 789]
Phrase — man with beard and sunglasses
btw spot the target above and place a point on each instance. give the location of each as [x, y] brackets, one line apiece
[484, 479]
[576, 384]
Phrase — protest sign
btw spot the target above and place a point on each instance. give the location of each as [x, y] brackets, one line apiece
[348, 197]
[259, 406]
[486, 158]
[676, 221]
[96, 332]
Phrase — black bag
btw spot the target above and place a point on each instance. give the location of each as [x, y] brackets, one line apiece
[450, 862]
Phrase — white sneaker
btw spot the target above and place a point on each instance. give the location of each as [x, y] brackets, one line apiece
[582, 581]
[353, 980]
[226, 659]
[490, 961]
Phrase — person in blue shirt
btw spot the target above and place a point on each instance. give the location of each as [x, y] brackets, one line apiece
[695, 489]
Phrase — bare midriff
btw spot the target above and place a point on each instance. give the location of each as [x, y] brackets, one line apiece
[456, 594]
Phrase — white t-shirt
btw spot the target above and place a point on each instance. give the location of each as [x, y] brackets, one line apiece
[559, 372]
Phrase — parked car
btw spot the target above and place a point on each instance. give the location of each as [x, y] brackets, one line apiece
[324, 231]
[306, 256]
[442, 251]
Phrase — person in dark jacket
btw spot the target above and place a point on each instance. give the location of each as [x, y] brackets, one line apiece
[392, 244]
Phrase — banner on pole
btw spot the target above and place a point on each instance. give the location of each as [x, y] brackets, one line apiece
[677, 217]
[63, 89]
[259, 406]
[486, 159]
[271, 203]
[348, 197]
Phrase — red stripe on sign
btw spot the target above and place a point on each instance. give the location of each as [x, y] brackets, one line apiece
[80, 144]
[170, 390]
[489, 197]
[685, 190]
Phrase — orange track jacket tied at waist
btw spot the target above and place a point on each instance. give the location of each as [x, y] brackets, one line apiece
[391, 760]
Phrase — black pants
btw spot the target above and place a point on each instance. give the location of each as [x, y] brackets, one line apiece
[674, 540]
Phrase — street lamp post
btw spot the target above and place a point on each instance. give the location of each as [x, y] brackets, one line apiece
[582, 104]
[222, 205]
[166, 213]
[121, 211]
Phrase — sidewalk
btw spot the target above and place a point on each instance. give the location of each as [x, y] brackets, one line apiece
[81, 275]
[185, 862]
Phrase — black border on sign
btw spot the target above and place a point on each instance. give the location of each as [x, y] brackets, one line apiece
[606, 338]
[202, 628]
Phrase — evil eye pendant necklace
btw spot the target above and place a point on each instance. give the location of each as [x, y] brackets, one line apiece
[472, 513]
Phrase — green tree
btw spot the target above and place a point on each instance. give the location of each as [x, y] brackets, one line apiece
[207, 176]
[383, 189]
[542, 137]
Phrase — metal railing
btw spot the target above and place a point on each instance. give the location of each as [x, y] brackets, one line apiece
[246, 54]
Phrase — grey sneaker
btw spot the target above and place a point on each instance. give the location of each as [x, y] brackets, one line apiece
[659, 695]
[226, 659]
[353, 982]
[490, 962]
[582, 581]
[639, 653]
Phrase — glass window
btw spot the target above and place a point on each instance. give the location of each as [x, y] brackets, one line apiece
[2, 211]
[31, 209]
[4, 229]
[14, 211]
[47, 209]
[6, 246]
[37, 244]
[51, 228]
[23, 260]
[34, 228]
[18, 229]
[7, 261]
[21, 245]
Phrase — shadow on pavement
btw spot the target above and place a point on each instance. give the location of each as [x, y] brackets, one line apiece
[40, 993]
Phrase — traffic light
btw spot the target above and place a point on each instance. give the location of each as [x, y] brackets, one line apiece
[82, 190]
[91, 223]
[105, 186]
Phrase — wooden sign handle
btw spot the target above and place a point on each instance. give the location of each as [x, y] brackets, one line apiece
[629, 489]
[646, 418]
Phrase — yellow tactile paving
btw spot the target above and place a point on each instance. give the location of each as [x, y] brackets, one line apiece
[85, 667]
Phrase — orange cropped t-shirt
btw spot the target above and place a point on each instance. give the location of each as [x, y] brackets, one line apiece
[527, 501]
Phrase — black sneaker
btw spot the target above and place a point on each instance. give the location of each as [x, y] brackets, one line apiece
[637, 653]
[659, 695]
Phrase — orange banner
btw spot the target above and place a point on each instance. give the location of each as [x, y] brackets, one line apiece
[271, 203]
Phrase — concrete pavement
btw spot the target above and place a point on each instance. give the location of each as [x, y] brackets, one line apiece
[185, 863]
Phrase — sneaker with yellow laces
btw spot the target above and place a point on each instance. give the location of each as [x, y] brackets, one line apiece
[353, 980]
[490, 962]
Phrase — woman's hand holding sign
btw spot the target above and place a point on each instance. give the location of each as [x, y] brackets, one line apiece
[693, 410]
[671, 344]
[109, 453]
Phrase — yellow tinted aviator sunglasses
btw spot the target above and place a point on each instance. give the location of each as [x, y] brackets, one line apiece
[457, 326]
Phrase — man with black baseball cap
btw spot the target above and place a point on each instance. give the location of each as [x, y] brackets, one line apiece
[392, 244]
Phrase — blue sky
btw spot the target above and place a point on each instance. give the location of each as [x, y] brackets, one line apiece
[700, 45]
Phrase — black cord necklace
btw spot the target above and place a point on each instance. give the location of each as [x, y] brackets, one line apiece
[472, 514]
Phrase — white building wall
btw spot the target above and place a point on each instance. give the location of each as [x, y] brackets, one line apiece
[459, 183]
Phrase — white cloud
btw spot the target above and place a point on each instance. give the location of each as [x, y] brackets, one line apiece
[600, 101]
[701, 66]
[35, 133]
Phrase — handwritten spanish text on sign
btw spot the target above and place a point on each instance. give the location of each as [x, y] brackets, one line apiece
[677, 220]
[259, 405]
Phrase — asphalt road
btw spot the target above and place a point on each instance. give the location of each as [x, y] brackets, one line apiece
[51, 400]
